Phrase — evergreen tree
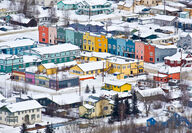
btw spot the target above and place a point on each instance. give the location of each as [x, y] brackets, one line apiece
[87, 90]
[135, 109]
[115, 113]
[93, 91]
[127, 108]
[23, 128]
[49, 128]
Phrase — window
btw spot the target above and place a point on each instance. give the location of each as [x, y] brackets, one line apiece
[105, 108]
[109, 46]
[43, 39]
[89, 42]
[33, 117]
[151, 53]
[43, 34]
[38, 116]
[151, 59]
[114, 47]
[85, 41]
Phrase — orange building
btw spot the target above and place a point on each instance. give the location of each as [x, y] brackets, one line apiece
[43, 34]
[101, 43]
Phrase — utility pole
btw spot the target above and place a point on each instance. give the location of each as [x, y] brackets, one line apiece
[103, 72]
[181, 65]
[79, 87]
[164, 7]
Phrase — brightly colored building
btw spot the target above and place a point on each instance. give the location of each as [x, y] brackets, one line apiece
[94, 56]
[130, 49]
[49, 68]
[117, 85]
[124, 67]
[89, 41]
[101, 44]
[43, 34]
[149, 52]
[112, 46]
[95, 107]
[139, 50]
[17, 46]
[121, 46]
[57, 53]
[92, 68]
[52, 31]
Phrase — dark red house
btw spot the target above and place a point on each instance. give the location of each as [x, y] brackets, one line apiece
[149, 52]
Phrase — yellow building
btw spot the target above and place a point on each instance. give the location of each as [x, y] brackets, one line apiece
[89, 41]
[91, 68]
[125, 6]
[124, 67]
[49, 68]
[94, 56]
[101, 44]
[117, 85]
[95, 107]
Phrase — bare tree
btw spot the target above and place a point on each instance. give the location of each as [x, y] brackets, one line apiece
[147, 105]
[66, 18]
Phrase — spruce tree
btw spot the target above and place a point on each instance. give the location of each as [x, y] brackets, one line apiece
[135, 109]
[115, 113]
[23, 128]
[127, 108]
[49, 129]
[93, 91]
[87, 90]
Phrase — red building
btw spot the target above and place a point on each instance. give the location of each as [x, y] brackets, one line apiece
[166, 73]
[184, 60]
[149, 52]
[43, 34]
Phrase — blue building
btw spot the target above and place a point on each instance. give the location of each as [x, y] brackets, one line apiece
[17, 46]
[121, 46]
[112, 46]
[130, 49]
[70, 35]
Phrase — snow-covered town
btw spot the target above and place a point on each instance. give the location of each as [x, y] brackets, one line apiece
[95, 66]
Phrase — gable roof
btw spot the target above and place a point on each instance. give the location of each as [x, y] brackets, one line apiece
[22, 106]
[97, 65]
[49, 65]
[151, 92]
[115, 82]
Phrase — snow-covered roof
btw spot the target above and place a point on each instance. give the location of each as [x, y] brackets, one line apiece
[67, 64]
[167, 8]
[94, 2]
[96, 54]
[30, 58]
[185, 20]
[71, 1]
[175, 4]
[92, 99]
[127, 3]
[115, 82]
[121, 60]
[2, 97]
[22, 106]
[164, 17]
[169, 70]
[8, 56]
[97, 65]
[88, 106]
[151, 92]
[17, 43]
[31, 69]
[159, 75]
[56, 48]
[176, 57]
[49, 65]
[164, 46]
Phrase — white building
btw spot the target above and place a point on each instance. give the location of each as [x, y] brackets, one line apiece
[16, 114]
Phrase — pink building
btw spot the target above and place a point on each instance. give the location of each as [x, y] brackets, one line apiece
[139, 50]
[30, 77]
[52, 35]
